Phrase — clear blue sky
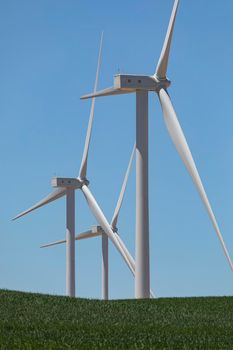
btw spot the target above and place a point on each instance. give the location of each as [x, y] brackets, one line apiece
[48, 60]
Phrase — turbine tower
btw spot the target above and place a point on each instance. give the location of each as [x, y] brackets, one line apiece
[141, 85]
[96, 231]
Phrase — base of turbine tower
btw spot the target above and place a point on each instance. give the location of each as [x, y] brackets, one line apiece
[104, 266]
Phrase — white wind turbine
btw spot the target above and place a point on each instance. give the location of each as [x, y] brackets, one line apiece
[141, 85]
[66, 187]
[98, 231]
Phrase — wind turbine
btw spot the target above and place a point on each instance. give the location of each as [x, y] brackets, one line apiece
[141, 85]
[66, 187]
[96, 231]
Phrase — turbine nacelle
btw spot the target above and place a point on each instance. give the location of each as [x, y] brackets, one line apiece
[139, 82]
[67, 182]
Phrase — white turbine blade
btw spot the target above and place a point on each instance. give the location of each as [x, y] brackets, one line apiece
[83, 167]
[53, 243]
[108, 92]
[123, 188]
[161, 69]
[97, 212]
[130, 258]
[58, 193]
[87, 234]
[83, 235]
[181, 145]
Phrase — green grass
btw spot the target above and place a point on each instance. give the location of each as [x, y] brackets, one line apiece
[34, 321]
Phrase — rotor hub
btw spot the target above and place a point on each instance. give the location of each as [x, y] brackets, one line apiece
[84, 181]
[163, 83]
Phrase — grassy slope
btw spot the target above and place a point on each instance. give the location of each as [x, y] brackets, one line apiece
[33, 321]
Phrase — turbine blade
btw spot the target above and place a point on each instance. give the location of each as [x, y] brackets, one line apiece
[129, 257]
[58, 193]
[97, 212]
[116, 240]
[131, 260]
[123, 188]
[53, 243]
[161, 69]
[83, 167]
[182, 147]
[108, 92]
[83, 235]
[87, 234]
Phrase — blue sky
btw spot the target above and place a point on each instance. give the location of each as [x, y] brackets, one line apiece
[48, 60]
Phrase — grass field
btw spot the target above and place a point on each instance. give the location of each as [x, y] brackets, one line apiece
[35, 321]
